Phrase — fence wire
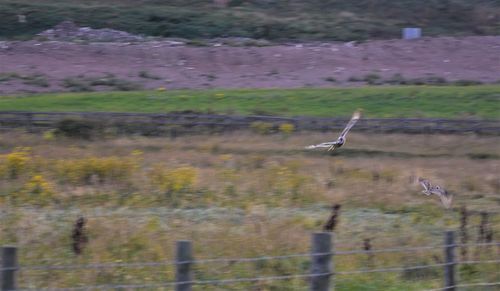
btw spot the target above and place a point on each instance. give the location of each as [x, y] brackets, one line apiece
[478, 262]
[97, 266]
[391, 250]
[272, 278]
[243, 260]
[406, 268]
[394, 269]
[466, 285]
[193, 282]
[102, 266]
[105, 213]
[167, 263]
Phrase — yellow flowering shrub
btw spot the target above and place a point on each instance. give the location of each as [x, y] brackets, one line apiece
[16, 163]
[94, 169]
[3, 166]
[36, 191]
[49, 135]
[287, 128]
[286, 179]
[173, 180]
[289, 180]
[261, 127]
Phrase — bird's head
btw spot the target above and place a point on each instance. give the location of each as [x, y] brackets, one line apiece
[341, 140]
[358, 112]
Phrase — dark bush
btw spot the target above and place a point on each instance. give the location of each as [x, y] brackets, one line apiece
[77, 128]
[467, 83]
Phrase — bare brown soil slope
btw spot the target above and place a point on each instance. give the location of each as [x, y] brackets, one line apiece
[33, 66]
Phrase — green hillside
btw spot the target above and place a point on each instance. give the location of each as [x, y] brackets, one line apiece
[275, 20]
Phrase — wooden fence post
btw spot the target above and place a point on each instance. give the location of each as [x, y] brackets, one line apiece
[449, 259]
[321, 264]
[29, 121]
[183, 261]
[9, 268]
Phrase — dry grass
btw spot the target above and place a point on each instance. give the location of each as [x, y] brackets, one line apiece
[238, 195]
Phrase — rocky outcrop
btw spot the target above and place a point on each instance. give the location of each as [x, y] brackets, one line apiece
[69, 31]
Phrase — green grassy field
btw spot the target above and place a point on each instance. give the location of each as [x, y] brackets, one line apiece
[409, 101]
[242, 195]
[245, 194]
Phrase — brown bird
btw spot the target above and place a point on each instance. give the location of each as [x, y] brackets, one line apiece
[79, 236]
[445, 197]
[332, 221]
[332, 145]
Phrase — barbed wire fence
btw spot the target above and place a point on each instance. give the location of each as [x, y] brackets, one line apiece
[322, 273]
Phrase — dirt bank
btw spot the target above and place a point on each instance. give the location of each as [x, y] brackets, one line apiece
[32, 66]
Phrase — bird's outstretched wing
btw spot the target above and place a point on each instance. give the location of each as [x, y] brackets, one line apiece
[321, 145]
[445, 197]
[332, 145]
[426, 184]
[355, 117]
[446, 200]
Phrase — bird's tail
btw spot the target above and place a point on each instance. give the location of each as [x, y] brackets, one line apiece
[446, 200]
[332, 147]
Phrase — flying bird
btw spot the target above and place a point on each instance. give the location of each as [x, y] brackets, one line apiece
[445, 197]
[332, 145]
